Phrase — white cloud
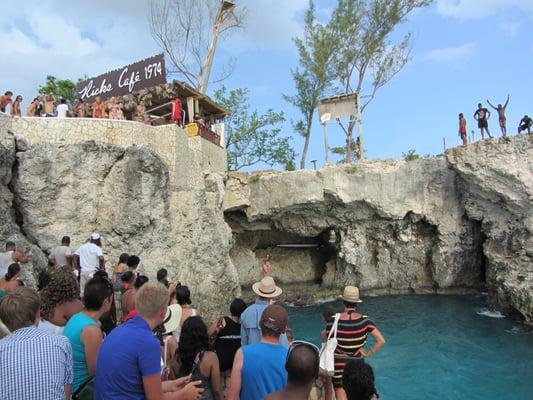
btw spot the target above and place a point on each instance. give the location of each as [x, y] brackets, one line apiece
[270, 25]
[451, 55]
[510, 28]
[478, 9]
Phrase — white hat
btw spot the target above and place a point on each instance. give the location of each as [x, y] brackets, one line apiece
[95, 236]
[172, 318]
[351, 294]
[266, 288]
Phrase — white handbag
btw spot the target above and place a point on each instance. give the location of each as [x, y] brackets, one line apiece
[327, 352]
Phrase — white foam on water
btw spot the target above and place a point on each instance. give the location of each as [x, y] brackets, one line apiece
[490, 313]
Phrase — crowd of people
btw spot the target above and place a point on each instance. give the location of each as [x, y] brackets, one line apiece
[89, 334]
[482, 115]
[47, 105]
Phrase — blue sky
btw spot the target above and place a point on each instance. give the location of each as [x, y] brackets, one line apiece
[464, 52]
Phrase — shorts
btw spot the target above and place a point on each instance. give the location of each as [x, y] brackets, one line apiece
[482, 123]
[502, 122]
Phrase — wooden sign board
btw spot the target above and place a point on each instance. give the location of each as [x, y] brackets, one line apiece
[140, 75]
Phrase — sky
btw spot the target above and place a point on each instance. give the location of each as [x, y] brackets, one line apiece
[464, 52]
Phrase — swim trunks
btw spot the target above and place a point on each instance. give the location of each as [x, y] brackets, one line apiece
[482, 123]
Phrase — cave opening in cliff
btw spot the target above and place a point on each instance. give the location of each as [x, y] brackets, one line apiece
[295, 259]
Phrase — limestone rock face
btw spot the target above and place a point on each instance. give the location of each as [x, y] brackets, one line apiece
[450, 224]
[125, 194]
[497, 182]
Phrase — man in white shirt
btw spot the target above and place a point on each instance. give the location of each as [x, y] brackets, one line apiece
[62, 109]
[62, 255]
[89, 258]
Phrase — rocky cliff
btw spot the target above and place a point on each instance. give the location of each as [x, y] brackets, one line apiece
[456, 223]
[49, 190]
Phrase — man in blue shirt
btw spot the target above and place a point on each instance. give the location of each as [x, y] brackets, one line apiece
[129, 360]
[259, 369]
[266, 290]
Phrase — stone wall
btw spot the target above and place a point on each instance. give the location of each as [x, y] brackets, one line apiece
[170, 142]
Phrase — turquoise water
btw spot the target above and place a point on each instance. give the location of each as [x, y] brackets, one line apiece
[440, 347]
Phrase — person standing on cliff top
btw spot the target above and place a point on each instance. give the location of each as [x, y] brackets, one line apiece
[462, 129]
[267, 291]
[49, 105]
[5, 99]
[482, 116]
[62, 109]
[525, 124]
[501, 115]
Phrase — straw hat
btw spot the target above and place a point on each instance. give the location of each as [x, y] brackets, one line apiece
[172, 318]
[351, 294]
[266, 288]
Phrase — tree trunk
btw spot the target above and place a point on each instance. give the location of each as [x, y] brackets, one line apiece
[359, 119]
[349, 139]
[306, 147]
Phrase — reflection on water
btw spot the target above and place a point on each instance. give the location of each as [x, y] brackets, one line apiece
[440, 347]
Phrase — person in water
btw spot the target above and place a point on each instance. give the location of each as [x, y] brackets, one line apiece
[462, 129]
[501, 115]
[482, 116]
[352, 333]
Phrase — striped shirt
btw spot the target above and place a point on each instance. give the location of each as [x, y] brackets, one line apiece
[352, 334]
[34, 365]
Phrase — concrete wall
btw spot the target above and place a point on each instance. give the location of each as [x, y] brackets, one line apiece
[169, 141]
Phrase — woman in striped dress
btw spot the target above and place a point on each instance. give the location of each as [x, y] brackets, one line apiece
[352, 333]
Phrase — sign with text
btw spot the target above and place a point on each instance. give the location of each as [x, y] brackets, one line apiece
[140, 75]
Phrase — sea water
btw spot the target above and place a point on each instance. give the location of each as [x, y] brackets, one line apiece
[440, 347]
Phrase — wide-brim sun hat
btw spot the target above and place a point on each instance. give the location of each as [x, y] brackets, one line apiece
[351, 294]
[267, 288]
[172, 318]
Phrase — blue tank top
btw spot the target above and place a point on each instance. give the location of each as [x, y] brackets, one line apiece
[263, 370]
[73, 329]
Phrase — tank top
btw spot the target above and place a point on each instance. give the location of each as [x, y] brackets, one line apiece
[227, 343]
[196, 375]
[263, 370]
[75, 326]
[6, 259]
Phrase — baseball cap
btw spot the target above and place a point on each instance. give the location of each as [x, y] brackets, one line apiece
[95, 236]
[275, 317]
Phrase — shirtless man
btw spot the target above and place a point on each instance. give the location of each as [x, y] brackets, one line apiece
[525, 124]
[482, 116]
[501, 115]
[266, 266]
[49, 105]
[5, 100]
